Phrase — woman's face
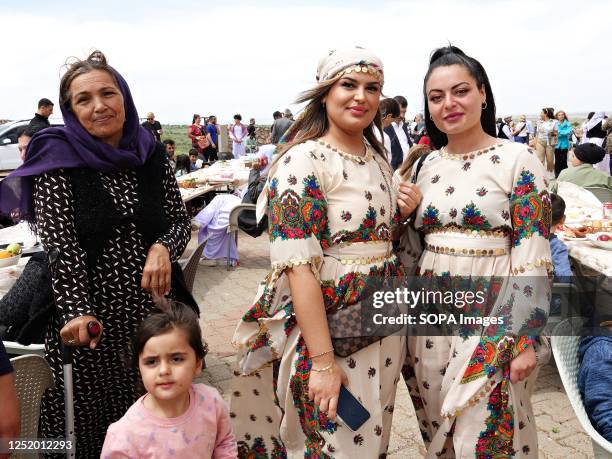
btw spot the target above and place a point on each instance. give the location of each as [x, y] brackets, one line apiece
[97, 103]
[543, 115]
[352, 102]
[454, 99]
[197, 120]
[561, 116]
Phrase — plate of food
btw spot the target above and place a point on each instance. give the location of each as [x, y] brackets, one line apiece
[10, 255]
[601, 240]
[573, 232]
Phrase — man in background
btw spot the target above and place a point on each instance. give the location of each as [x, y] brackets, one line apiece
[398, 133]
[170, 150]
[41, 117]
[153, 126]
[280, 125]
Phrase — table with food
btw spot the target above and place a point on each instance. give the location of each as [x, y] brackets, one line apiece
[587, 231]
[220, 175]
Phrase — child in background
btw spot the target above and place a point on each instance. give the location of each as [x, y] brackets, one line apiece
[175, 418]
[558, 249]
[194, 162]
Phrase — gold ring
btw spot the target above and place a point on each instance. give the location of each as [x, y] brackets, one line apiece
[71, 341]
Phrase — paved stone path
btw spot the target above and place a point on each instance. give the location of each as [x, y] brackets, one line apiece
[224, 295]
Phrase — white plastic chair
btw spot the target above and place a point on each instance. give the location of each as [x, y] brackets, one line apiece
[233, 226]
[565, 350]
[14, 348]
[32, 378]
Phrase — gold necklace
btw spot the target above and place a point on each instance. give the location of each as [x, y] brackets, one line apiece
[361, 159]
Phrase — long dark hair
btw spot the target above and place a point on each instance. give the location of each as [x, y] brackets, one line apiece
[313, 122]
[451, 55]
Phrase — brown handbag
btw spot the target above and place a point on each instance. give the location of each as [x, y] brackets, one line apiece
[345, 329]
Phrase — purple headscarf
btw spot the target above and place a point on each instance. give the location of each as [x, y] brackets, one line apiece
[72, 146]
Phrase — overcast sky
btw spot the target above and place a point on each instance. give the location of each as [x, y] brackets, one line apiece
[255, 57]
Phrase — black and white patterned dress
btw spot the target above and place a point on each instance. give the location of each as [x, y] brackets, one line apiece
[104, 386]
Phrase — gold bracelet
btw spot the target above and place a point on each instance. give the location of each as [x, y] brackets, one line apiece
[321, 370]
[322, 354]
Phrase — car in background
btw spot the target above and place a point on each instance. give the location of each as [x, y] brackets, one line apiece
[9, 153]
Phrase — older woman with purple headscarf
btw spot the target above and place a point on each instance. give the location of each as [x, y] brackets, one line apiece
[103, 199]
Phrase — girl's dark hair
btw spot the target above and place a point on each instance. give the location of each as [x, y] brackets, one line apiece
[238, 117]
[95, 61]
[451, 55]
[195, 115]
[550, 112]
[183, 163]
[178, 317]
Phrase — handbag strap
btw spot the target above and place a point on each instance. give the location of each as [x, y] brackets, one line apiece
[418, 166]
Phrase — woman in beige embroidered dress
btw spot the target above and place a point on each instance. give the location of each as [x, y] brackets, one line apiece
[485, 215]
[331, 214]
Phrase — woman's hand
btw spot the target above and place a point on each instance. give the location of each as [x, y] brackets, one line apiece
[409, 199]
[75, 333]
[522, 365]
[157, 270]
[324, 387]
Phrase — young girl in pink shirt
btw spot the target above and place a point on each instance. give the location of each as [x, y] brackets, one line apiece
[175, 418]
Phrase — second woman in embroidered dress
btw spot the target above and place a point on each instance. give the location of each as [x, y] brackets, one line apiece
[485, 215]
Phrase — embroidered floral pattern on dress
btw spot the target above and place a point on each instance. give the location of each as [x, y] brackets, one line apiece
[349, 289]
[450, 190]
[298, 217]
[367, 231]
[258, 449]
[531, 213]
[431, 217]
[473, 218]
[481, 191]
[494, 159]
[345, 215]
[312, 420]
[495, 442]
